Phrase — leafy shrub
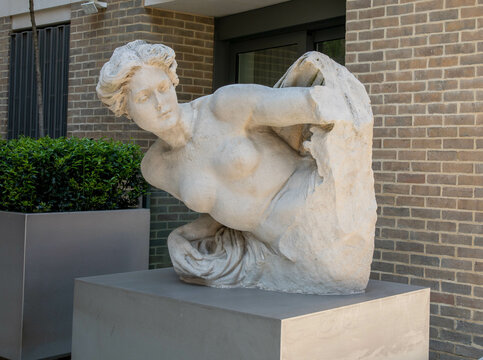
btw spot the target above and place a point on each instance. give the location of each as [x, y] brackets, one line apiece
[69, 174]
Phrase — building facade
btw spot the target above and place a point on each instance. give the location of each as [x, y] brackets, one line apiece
[422, 64]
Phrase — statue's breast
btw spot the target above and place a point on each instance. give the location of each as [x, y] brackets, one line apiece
[198, 191]
[237, 158]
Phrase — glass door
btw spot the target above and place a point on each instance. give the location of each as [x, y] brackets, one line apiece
[266, 66]
[264, 60]
[335, 49]
[331, 42]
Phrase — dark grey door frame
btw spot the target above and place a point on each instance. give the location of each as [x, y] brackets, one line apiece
[332, 33]
[288, 14]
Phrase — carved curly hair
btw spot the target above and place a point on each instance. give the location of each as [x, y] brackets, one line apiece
[115, 75]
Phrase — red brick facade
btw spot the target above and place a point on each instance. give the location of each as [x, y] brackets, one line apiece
[422, 64]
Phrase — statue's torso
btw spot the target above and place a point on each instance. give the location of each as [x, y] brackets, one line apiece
[226, 170]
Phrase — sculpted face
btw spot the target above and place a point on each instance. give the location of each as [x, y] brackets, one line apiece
[152, 101]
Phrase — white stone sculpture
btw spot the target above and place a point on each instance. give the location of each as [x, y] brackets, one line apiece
[282, 175]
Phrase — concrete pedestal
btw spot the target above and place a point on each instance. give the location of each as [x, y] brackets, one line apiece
[152, 315]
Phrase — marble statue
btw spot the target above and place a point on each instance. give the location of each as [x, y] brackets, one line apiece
[282, 175]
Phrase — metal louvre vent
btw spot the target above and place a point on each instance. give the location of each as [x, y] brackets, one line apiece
[54, 63]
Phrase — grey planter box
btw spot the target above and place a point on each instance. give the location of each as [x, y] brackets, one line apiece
[41, 254]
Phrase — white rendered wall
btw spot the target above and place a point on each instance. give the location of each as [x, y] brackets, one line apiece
[47, 11]
[42, 17]
[15, 7]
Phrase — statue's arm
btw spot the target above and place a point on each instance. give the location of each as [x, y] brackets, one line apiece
[256, 105]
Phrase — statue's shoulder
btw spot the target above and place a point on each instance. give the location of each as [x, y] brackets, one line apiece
[222, 93]
[230, 101]
[235, 89]
[236, 95]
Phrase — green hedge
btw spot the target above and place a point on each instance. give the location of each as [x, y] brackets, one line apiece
[69, 174]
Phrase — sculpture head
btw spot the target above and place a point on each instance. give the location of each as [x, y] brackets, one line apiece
[139, 82]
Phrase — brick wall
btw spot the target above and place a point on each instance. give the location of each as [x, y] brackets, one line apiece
[93, 39]
[421, 62]
[5, 28]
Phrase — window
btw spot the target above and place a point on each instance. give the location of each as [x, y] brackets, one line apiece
[54, 63]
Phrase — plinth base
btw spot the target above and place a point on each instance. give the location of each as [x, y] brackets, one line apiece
[153, 315]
